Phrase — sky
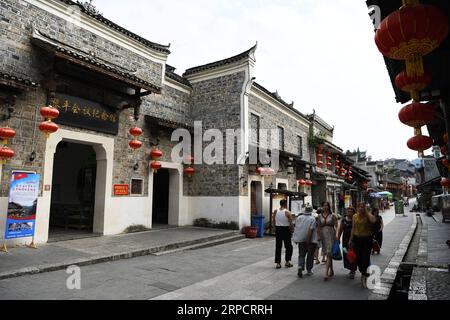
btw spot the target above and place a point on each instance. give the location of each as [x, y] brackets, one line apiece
[319, 54]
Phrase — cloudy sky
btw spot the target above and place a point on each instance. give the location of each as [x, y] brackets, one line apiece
[319, 54]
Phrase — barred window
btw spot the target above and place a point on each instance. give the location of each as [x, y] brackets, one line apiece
[281, 138]
[300, 146]
[254, 126]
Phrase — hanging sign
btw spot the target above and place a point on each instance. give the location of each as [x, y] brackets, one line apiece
[23, 195]
[85, 114]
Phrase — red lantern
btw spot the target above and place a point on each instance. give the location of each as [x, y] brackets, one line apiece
[309, 183]
[302, 182]
[156, 154]
[417, 115]
[155, 166]
[350, 178]
[136, 132]
[7, 133]
[413, 85]
[445, 182]
[48, 127]
[319, 164]
[420, 143]
[328, 165]
[189, 171]
[49, 113]
[135, 144]
[320, 156]
[410, 33]
[5, 154]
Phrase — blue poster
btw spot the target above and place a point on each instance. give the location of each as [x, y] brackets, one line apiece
[23, 195]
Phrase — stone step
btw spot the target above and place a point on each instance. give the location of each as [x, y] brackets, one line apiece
[206, 244]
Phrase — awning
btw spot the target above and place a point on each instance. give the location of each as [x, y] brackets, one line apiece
[167, 123]
[17, 83]
[91, 62]
[430, 184]
[286, 192]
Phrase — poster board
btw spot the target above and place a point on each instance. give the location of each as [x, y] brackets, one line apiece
[297, 206]
[22, 205]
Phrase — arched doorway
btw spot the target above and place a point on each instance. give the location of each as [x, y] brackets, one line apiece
[73, 189]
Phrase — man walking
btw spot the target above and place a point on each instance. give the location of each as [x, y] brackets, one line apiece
[305, 235]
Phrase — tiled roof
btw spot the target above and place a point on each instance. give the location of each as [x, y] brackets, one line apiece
[219, 63]
[167, 123]
[16, 82]
[90, 61]
[278, 98]
[112, 25]
[170, 73]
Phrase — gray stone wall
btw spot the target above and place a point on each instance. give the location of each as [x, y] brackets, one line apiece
[270, 118]
[17, 18]
[216, 102]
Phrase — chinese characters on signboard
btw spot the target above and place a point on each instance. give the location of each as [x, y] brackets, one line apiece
[121, 190]
[81, 113]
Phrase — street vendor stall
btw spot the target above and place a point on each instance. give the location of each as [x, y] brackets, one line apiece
[295, 202]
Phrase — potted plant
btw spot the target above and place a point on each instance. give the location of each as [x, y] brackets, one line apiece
[251, 232]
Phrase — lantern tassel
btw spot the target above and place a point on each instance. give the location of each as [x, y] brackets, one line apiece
[415, 95]
[410, 2]
[418, 131]
[414, 66]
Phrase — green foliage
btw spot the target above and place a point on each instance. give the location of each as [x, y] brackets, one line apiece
[136, 228]
[316, 139]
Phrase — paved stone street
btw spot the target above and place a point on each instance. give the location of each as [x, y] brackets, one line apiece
[239, 270]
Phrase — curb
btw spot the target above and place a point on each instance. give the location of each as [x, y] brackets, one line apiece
[111, 257]
[383, 289]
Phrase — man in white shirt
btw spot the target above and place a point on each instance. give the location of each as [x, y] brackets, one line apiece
[305, 235]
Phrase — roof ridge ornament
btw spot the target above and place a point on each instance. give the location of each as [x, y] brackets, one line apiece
[90, 7]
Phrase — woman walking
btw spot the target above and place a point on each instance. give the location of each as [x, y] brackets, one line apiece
[378, 229]
[282, 219]
[361, 240]
[344, 231]
[327, 223]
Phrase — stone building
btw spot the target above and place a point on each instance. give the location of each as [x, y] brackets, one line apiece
[105, 80]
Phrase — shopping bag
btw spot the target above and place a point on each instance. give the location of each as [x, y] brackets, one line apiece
[336, 250]
[351, 256]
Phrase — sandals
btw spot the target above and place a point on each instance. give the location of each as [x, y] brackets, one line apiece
[278, 266]
[289, 265]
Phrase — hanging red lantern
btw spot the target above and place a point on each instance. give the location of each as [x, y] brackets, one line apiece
[350, 178]
[155, 166]
[320, 164]
[420, 143]
[136, 132]
[48, 127]
[309, 183]
[265, 171]
[6, 133]
[302, 182]
[5, 154]
[413, 85]
[135, 144]
[49, 113]
[410, 33]
[319, 156]
[329, 165]
[189, 171]
[445, 182]
[156, 154]
[417, 115]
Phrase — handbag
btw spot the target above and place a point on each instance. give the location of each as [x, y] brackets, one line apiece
[351, 256]
[375, 246]
[336, 251]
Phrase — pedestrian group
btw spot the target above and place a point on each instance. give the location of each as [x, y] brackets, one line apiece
[361, 233]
